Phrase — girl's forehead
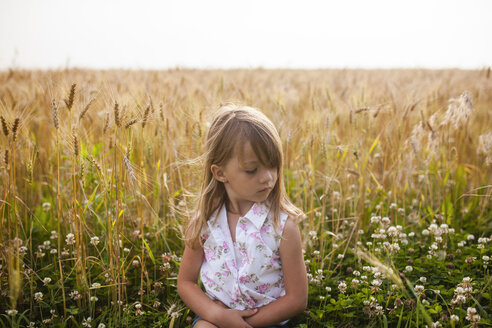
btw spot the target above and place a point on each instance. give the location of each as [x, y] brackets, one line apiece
[244, 151]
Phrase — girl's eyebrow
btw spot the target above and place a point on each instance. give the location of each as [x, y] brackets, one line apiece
[250, 162]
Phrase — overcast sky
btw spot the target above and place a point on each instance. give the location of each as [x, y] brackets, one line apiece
[246, 33]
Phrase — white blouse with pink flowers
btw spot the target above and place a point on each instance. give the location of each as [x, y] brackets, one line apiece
[248, 273]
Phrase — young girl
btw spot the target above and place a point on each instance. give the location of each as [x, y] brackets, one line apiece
[243, 241]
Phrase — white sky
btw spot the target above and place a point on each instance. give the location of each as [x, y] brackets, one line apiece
[246, 33]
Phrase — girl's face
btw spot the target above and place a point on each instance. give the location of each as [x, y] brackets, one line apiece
[245, 179]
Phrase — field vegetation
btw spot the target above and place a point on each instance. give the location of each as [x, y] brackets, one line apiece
[393, 169]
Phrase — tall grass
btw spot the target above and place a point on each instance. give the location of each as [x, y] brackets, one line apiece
[92, 164]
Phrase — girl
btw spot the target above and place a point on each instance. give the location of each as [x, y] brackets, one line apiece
[243, 241]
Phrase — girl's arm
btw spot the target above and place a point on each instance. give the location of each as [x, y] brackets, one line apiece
[295, 280]
[195, 298]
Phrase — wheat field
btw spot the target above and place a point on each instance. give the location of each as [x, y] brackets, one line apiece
[99, 170]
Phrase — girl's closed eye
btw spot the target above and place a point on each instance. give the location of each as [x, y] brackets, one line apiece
[253, 171]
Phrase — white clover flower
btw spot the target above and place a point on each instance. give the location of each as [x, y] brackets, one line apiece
[385, 221]
[485, 258]
[379, 310]
[96, 285]
[419, 288]
[46, 206]
[46, 280]
[423, 279]
[54, 234]
[87, 322]
[411, 234]
[321, 297]
[11, 313]
[425, 232]
[471, 314]
[454, 318]
[328, 289]
[436, 324]
[375, 219]
[95, 240]
[425, 302]
[94, 299]
[38, 297]
[340, 256]
[75, 295]
[70, 239]
[467, 280]
[126, 250]
[461, 243]
[101, 325]
[313, 234]
[342, 286]
[135, 263]
[460, 299]
[470, 237]
[316, 253]
[53, 251]
[356, 273]
[376, 282]
[360, 231]
[408, 268]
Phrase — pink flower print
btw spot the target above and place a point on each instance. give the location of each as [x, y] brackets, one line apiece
[243, 226]
[244, 279]
[205, 236]
[251, 302]
[210, 281]
[210, 253]
[226, 246]
[227, 267]
[257, 236]
[258, 209]
[265, 229]
[263, 288]
[244, 256]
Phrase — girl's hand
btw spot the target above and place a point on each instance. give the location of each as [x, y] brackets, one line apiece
[235, 318]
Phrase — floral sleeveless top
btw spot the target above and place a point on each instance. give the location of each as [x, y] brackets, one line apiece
[248, 273]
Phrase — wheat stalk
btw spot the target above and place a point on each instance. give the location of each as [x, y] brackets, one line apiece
[4, 126]
[71, 96]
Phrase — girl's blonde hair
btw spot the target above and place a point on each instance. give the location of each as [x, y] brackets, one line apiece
[231, 128]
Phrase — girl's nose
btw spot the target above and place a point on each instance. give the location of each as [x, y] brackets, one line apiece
[267, 175]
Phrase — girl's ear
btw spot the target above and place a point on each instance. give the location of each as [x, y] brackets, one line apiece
[218, 173]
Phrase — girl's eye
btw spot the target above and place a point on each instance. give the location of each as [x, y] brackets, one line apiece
[253, 171]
